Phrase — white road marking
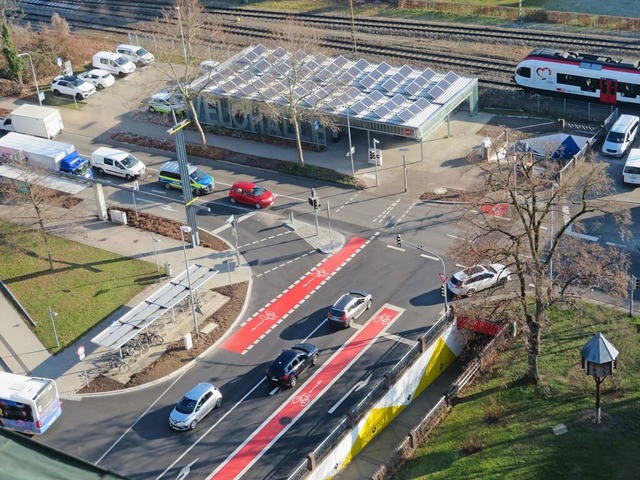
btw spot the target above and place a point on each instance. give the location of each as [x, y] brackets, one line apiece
[453, 236]
[429, 257]
[396, 248]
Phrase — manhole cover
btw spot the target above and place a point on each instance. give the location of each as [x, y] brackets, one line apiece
[440, 190]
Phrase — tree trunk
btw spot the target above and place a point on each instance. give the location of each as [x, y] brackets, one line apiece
[533, 348]
[196, 122]
[296, 128]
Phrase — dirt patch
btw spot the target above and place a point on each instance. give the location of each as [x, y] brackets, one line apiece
[168, 228]
[175, 355]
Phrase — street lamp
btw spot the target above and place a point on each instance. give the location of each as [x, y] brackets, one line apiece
[350, 154]
[184, 47]
[155, 251]
[186, 229]
[33, 70]
[53, 315]
[375, 160]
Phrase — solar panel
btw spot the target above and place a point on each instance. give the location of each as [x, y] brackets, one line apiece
[436, 92]
[383, 68]
[359, 108]
[382, 111]
[398, 100]
[340, 61]
[368, 82]
[405, 115]
[361, 64]
[390, 84]
[451, 77]
[421, 104]
[405, 71]
[376, 96]
[280, 52]
[413, 88]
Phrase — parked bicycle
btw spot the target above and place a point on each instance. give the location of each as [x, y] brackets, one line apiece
[137, 345]
[150, 338]
[113, 361]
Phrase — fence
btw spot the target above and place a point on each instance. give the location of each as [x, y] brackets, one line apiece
[421, 432]
[370, 399]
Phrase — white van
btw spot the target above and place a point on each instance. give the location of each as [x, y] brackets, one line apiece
[113, 63]
[117, 162]
[136, 54]
[621, 135]
[631, 170]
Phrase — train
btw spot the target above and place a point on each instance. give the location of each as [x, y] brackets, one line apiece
[580, 75]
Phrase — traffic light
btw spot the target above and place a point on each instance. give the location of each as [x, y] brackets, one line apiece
[316, 203]
[443, 290]
[399, 241]
[311, 201]
[635, 282]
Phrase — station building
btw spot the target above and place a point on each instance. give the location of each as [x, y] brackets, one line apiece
[252, 90]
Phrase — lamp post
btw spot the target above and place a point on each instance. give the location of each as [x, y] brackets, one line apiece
[155, 251]
[375, 160]
[353, 171]
[186, 229]
[184, 47]
[404, 168]
[444, 273]
[53, 315]
[33, 71]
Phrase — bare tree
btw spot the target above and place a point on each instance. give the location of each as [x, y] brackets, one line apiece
[31, 199]
[183, 37]
[544, 265]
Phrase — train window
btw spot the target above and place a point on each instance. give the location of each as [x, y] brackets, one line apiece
[565, 79]
[589, 84]
[628, 90]
[524, 72]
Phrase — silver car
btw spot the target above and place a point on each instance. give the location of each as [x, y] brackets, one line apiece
[349, 307]
[473, 279]
[194, 406]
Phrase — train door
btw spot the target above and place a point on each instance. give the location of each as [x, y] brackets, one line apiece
[608, 90]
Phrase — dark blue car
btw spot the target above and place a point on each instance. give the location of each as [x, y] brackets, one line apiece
[285, 369]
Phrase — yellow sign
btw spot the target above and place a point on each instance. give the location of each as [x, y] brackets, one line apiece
[179, 126]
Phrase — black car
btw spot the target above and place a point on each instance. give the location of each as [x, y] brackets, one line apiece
[285, 369]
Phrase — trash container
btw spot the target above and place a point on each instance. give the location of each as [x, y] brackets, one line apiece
[188, 342]
[167, 269]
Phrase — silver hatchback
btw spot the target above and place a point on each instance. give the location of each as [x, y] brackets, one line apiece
[194, 406]
[349, 307]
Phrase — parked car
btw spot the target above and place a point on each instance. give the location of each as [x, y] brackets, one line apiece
[113, 63]
[349, 307]
[473, 279]
[250, 194]
[73, 86]
[135, 54]
[194, 406]
[117, 162]
[165, 102]
[98, 78]
[285, 370]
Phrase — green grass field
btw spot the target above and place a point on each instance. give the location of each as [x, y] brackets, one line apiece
[86, 285]
[509, 422]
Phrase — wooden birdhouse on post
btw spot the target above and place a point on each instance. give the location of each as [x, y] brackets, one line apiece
[599, 360]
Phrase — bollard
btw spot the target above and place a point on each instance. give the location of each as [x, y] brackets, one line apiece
[167, 269]
[188, 342]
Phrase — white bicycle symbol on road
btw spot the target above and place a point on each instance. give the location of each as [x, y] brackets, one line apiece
[267, 315]
[303, 399]
[384, 319]
[319, 273]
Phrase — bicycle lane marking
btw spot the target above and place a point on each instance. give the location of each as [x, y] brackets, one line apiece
[257, 444]
[260, 324]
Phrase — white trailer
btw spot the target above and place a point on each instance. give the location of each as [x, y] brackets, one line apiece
[42, 122]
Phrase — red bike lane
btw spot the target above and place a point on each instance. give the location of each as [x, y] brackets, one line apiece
[256, 327]
[250, 451]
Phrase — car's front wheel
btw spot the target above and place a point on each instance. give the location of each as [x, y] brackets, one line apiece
[314, 359]
[232, 200]
[471, 293]
[56, 93]
[219, 402]
[193, 424]
[294, 381]
[99, 86]
[100, 171]
[121, 74]
[258, 206]
[128, 177]
[369, 303]
[502, 281]
[78, 96]
[167, 186]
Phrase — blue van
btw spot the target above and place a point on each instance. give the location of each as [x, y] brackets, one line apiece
[201, 182]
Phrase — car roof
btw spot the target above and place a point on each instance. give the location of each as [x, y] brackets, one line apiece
[244, 185]
[286, 356]
[345, 300]
[98, 71]
[197, 391]
[126, 45]
[109, 54]
[173, 166]
[69, 78]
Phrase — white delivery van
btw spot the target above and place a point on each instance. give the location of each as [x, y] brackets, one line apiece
[621, 135]
[136, 54]
[117, 162]
[113, 63]
[631, 170]
[42, 122]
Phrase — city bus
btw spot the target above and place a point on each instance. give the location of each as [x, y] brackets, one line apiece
[28, 404]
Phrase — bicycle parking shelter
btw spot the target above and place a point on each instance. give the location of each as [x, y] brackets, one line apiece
[146, 313]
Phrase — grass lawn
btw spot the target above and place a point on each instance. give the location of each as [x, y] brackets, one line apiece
[85, 286]
[508, 423]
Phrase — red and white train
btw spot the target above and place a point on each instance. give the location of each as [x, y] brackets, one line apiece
[590, 77]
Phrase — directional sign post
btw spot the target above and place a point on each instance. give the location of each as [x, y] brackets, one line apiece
[81, 357]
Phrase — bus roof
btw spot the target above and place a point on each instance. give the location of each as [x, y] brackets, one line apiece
[17, 387]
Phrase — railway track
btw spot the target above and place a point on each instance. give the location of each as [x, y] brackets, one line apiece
[107, 16]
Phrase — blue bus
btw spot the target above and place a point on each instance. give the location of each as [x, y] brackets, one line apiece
[28, 404]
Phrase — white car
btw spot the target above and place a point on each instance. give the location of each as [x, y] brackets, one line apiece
[165, 102]
[73, 86]
[194, 406]
[98, 78]
[473, 279]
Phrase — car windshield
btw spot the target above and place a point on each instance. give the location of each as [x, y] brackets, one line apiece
[141, 51]
[77, 82]
[130, 161]
[83, 170]
[615, 137]
[121, 61]
[258, 191]
[105, 76]
[186, 405]
[492, 270]
[198, 175]
[456, 281]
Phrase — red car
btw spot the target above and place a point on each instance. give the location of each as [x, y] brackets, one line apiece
[251, 194]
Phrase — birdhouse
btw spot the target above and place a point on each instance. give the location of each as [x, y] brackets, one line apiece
[599, 357]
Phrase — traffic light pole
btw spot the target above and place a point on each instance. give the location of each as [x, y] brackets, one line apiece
[435, 256]
[633, 285]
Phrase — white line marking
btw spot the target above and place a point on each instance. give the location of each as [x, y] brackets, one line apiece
[453, 236]
[429, 257]
[396, 248]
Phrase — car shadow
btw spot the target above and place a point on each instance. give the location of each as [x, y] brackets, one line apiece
[309, 324]
[431, 297]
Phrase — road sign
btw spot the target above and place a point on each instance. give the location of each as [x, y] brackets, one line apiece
[443, 277]
[230, 219]
[81, 352]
